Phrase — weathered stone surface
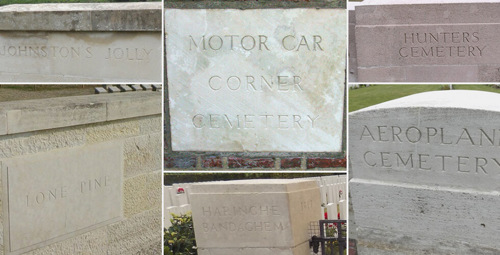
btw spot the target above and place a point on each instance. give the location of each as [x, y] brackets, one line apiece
[143, 154]
[134, 105]
[254, 216]
[432, 160]
[42, 141]
[100, 90]
[142, 193]
[92, 242]
[81, 17]
[235, 4]
[256, 80]
[3, 123]
[140, 234]
[42, 56]
[151, 124]
[55, 195]
[432, 41]
[41, 114]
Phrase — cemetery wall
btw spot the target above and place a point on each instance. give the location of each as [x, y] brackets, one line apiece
[59, 140]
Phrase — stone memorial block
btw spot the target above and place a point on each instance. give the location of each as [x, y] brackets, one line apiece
[256, 80]
[428, 41]
[426, 173]
[87, 42]
[267, 217]
[51, 196]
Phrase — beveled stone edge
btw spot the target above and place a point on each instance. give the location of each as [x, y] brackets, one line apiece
[243, 5]
[106, 107]
[136, 19]
[415, 10]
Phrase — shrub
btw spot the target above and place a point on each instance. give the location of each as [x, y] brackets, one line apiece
[179, 238]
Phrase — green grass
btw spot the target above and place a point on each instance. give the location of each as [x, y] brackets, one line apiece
[364, 97]
[6, 2]
[477, 87]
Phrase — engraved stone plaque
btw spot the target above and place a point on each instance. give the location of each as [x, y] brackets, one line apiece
[54, 195]
[430, 41]
[80, 56]
[256, 80]
[254, 216]
[431, 159]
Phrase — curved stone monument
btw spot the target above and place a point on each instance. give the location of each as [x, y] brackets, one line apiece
[425, 174]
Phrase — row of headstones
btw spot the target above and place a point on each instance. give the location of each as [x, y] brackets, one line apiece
[127, 88]
[333, 196]
[332, 190]
[357, 86]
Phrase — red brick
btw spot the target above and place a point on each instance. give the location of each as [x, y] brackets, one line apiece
[212, 162]
[291, 162]
[325, 162]
[234, 162]
[180, 162]
[353, 249]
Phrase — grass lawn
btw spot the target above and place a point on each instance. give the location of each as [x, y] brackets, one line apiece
[364, 97]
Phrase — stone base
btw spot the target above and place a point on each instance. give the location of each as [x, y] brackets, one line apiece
[397, 217]
[302, 249]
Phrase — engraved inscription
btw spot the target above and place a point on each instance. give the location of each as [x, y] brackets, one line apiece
[256, 83]
[54, 195]
[252, 121]
[441, 45]
[228, 213]
[62, 52]
[250, 226]
[58, 193]
[254, 42]
[458, 162]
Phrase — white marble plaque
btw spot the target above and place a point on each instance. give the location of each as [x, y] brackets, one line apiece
[80, 56]
[256, 80]
[55, 195]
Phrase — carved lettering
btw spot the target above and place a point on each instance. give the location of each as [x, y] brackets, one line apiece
[40, 198]
[441, 45]
[74, 52]
[253, 83]
[254, 121]
[253, 42]
[429, 162]
[430, 135]
[245, 226]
